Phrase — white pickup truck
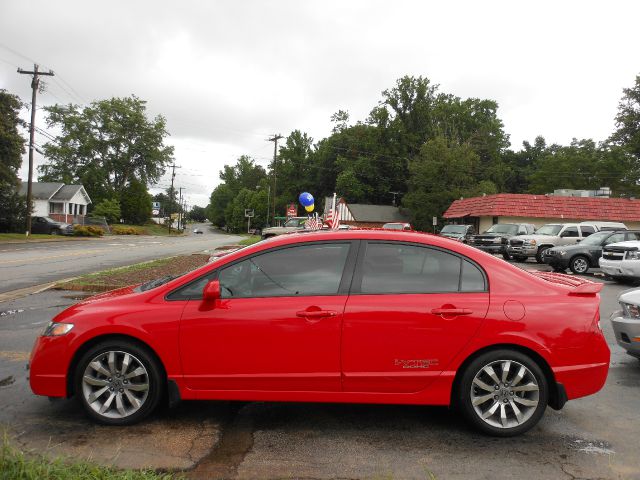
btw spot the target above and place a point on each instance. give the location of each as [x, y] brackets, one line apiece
[551, 235]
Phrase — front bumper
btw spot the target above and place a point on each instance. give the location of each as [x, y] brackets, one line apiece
[621, 268]
[557, 261]
[627, 331]
[48, 366]
[497, 248]
[523, 251]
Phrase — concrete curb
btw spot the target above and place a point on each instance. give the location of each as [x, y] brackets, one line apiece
[23, 292]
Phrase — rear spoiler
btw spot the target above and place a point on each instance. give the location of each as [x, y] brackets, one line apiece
[579, 286]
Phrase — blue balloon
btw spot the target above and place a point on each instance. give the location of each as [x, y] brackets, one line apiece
[305, 199]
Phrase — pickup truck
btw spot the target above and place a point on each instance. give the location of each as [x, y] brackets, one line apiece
[552, 235]
[496, 238]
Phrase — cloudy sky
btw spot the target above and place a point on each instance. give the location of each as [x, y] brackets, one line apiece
[227, 74]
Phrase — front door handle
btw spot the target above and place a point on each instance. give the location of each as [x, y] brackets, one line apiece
[451, 311]
[316, 313]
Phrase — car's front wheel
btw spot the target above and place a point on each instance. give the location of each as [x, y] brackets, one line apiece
[541, 253]
[503, 393]
[118, 382]
[579, 264]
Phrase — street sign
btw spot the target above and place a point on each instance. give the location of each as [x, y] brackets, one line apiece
[435, 221]
[155, 212]
[248, 212]
[292, 210]
[155, 205]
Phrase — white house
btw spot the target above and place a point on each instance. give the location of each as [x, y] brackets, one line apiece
[65, 203]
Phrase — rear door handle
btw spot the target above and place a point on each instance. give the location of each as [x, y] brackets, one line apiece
[316, 313]
[451, 311]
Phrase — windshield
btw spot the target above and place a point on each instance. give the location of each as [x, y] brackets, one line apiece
[549, 230]
[596, 238]
[507, 228]
[157, 282]
[454, 229]
[295, 222]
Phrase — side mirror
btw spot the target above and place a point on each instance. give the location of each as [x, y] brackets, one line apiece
[211, 291]
[579, 240]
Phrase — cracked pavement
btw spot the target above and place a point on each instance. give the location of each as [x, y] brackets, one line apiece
[594, 437]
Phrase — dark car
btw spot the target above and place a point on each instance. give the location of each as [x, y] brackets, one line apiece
[584, 255]
[462, 233]
[50, 226]
[496, 238]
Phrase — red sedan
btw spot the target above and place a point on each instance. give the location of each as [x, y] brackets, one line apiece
[347, 316]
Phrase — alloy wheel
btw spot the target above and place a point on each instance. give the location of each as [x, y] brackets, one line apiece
[579, 265]
[504, 394]
[115, 384]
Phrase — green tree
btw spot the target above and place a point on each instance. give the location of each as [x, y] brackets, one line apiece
[109, 209]
[13, 207]
[135, 203]
[197, 214]
[440, 174]
[627, 132]
[105, 145]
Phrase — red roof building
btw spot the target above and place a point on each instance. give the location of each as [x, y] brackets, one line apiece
[540, 209]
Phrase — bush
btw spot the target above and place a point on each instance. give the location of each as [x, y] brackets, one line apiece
[109, 209]
[87, 231]
[122, 230]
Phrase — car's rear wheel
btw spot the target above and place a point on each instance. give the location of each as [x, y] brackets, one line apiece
[118, 382]
[55, 231]
[503, 393]
[579, 264]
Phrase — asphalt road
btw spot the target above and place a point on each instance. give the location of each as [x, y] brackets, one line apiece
[593, 437]
[24, 265]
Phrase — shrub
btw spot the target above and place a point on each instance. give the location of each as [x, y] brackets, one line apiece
[122, 230]
[87, 231]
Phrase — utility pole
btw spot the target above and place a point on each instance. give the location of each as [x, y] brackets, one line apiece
[274, 139]
[168, 212]
[35, 83]
[180, 214]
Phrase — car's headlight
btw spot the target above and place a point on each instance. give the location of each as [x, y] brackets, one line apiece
[630, 310]
[633, 255]
[57, 329]
[530, 242]
[562, 253]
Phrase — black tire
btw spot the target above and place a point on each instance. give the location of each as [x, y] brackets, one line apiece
[154, 377]
[579, 264]
[531, 414]
[506, 256]
[520, 258]
[55, 231]
[540, 254]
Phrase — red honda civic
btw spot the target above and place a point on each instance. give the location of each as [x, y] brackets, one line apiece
[348, 316]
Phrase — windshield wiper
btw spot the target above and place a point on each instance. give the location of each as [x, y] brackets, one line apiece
[157, 282]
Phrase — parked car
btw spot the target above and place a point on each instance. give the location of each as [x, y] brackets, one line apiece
[496, 238]
[555, 234]
[397, 226]
[621, 261]
[49, 226]
[626, 322]
[462, 233]
[198, 231]
[340, 316]
[581, 257]
[294, 224]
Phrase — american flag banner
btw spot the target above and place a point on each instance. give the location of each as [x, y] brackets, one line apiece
[313, 223]
[332, 219]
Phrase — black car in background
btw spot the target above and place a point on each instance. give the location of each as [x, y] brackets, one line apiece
[462, 233]
[496, 238]
[49, 226]
[584, 255]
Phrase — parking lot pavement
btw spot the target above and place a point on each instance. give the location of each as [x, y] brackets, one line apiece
[593, 437]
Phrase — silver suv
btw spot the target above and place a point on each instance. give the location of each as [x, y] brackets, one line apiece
[294, 224]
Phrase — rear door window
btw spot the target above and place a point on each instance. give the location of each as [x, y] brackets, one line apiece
[395, 268]
[587, 230]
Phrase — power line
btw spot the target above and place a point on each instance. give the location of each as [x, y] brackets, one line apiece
[274, 139]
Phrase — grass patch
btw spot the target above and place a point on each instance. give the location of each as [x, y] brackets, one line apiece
[33, 236]
[250, 239]
[134, 274]
[15, 465]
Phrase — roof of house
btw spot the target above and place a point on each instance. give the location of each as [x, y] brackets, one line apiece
[41, 190]
[546, 206]
[376, 213]
[53, 191]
